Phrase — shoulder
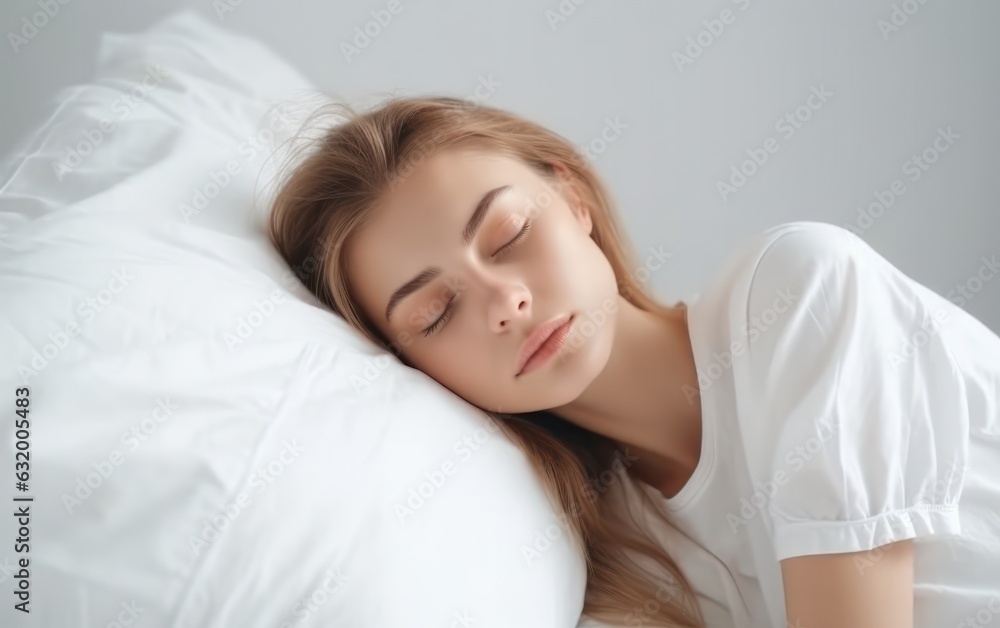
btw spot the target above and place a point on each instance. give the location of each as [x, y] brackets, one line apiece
[803, 275]
[819, 298]
[824, 281]
[790, 252]
[825, 235]
[808, 236]
[801, 239]
[786, 253]
[800, 253]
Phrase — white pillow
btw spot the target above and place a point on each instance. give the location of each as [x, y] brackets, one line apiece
[202, 453]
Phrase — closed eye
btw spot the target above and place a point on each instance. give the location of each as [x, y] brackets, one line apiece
[446, 315]
[520, 235]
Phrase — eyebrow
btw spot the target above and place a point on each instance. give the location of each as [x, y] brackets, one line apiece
[428, 274]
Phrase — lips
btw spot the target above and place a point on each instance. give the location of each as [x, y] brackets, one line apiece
[537, 338]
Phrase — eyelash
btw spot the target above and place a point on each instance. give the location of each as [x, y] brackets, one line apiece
[440, 322]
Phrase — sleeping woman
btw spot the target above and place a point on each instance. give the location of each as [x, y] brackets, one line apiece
[823, 428]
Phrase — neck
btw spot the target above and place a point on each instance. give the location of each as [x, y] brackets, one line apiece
[647, 397]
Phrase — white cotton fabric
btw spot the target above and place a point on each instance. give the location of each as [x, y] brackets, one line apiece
[845, 406]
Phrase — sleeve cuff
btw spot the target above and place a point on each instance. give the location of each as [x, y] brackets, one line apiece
[835, 537]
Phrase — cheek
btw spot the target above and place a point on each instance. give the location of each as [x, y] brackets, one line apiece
[447, 356]
[467, 360]
[459, 368]
[579, 271]
[565, 255]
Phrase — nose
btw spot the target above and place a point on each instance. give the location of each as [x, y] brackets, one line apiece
[512, 305]
[508, 300]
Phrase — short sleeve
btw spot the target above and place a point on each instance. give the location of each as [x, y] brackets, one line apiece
[857, 434]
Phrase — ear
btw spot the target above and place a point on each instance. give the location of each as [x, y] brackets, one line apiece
[568, 186]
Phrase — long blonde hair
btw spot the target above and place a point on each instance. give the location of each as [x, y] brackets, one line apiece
[327, 197]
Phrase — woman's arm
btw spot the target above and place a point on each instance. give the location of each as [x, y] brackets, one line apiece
[851, 590]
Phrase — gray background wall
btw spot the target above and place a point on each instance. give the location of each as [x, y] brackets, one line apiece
[896, 73]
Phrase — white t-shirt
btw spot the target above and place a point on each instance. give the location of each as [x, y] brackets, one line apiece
[844, 406]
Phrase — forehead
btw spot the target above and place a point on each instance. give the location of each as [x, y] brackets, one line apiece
[457, 170]
[442, 190]
[415, 223]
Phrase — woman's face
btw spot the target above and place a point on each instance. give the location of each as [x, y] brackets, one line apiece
[491, 281]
